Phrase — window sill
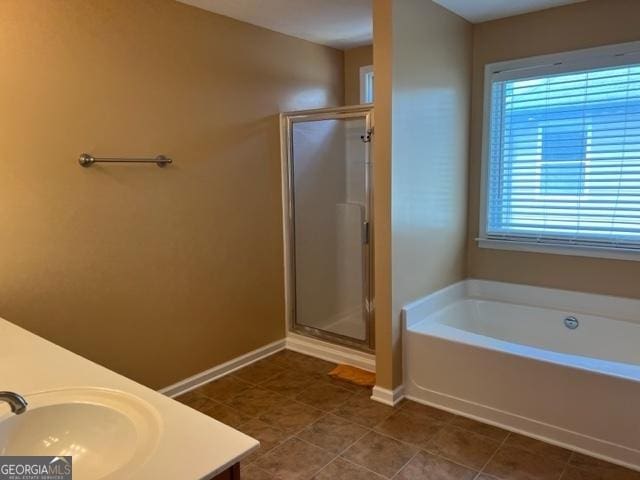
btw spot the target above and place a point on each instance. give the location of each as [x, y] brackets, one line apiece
[560, 249]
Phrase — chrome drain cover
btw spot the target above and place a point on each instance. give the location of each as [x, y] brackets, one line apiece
[571, 323]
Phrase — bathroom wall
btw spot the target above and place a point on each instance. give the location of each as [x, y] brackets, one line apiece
[155, 273]
[582, 25]
[427, 124]
[354, 58]
[384, 322]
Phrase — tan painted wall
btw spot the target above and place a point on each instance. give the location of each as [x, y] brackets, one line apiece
[383, 63]
[583, 25]
[429, 115]
[157, 274]
[354, 58]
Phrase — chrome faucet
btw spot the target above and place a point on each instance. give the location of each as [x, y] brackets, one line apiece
[17, 402]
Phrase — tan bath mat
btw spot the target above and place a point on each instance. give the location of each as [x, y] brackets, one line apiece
[354, 375]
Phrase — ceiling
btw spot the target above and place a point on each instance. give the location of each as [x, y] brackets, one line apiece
[336, 23]
[477, 11]
[347, 23]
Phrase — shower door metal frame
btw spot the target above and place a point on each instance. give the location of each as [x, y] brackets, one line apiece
[287, 121]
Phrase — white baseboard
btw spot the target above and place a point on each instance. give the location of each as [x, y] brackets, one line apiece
[330, 352]
[386, 396]
[218, 371]
[552, 434]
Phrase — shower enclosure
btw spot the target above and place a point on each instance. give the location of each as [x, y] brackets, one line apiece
[327, 198]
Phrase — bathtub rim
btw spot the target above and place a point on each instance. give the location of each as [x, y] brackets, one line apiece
[617, 308]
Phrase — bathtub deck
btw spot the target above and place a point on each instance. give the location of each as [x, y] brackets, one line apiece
[312, 427]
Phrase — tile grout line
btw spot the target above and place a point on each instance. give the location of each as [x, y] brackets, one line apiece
[406, 463]
[353, 394]
[294, 435]
[481, 471]
[339, 455]
[384, 434]
[458, 462]
[566, 465]
[283, 369]
[324, 414]
[358, 423]
[361, 466]
[228, 375]
[367, 432]
[455, 461]
[316, 446]
[289, 401]
[253, 465]
[258, 415]
[325, 450]
[528, 451]
[444, 424]
[322, 468]
[313, 384]
[270, 452]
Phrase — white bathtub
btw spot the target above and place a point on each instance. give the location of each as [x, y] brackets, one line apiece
[503, 354]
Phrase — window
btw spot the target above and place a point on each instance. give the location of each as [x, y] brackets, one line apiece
[562, 153]
[366, 84]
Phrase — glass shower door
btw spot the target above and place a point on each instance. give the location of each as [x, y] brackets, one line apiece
[330, 231]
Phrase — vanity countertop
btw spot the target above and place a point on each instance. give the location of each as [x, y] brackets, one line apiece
[191, 444]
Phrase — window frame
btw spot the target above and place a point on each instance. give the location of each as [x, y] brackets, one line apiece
[366, 84]
[557, 63]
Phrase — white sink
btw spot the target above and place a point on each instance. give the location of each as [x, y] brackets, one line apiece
[108, 433]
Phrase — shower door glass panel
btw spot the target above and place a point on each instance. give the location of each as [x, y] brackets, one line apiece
[330, 196]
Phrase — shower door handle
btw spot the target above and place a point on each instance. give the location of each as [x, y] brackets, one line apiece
[366, 233]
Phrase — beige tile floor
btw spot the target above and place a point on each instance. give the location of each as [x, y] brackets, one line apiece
[313, 427]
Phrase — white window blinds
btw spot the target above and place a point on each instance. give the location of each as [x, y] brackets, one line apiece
[564, 158]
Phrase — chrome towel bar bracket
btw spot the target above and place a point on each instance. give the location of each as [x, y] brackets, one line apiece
[86, 160]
